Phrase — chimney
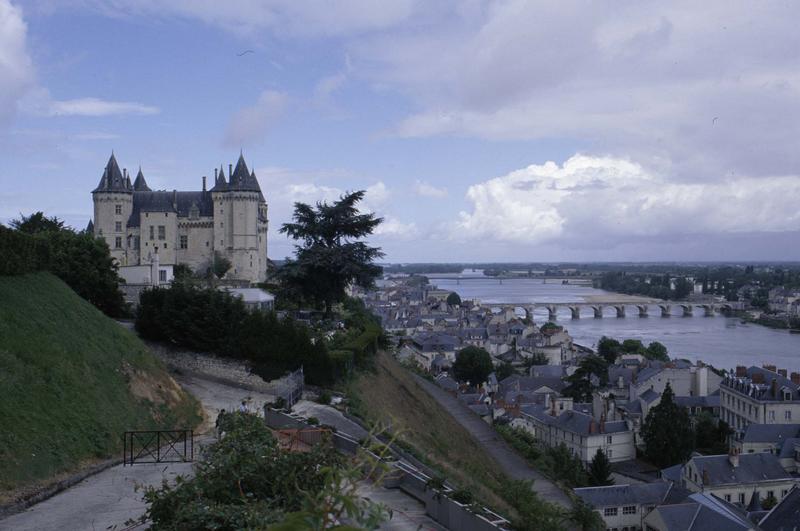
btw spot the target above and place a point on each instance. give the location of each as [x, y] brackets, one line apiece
[620, 382]
[204, 183]
[774, 388]
[758, 377]
[782, 372]
[706, 478]
[741, 371]
[215, 175]
[603, 423]
[592, 427]
[733, 457]
[124, 173]
[795, 377]
[770, 368]
[230, 172]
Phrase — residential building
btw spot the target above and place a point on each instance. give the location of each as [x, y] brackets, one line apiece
[623, 507]
[759, 395]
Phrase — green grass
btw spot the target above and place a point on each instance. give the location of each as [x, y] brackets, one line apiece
[391, 396]
[71, 382]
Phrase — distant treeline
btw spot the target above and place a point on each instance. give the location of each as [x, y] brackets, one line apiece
[209, 320]
[657, 286]
[80, 260]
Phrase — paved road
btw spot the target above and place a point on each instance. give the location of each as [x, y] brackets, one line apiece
[512, 464]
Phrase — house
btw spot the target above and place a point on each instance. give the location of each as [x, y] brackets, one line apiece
[735, 478]
[785, 516]
[559, 422]
[765, 438]
[699, 512]
[759, 395]
[623, 507]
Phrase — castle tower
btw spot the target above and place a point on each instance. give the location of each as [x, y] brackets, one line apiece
[113, 204]
[240, 224]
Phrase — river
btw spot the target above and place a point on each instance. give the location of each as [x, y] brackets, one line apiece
[721, 341]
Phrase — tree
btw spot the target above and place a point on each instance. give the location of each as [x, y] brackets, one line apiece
[667, 432]
[600, 470]
[585, 517]
[504, 370]
[37, 223]
[609, 349]
[220, 265]
[473, 364]
[329, 256]
[453, 299]
[711, 435]
[580, 386]
[633, 346]
[656, 351]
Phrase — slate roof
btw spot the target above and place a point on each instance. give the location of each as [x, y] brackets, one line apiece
[616, 495]
[786, 515]
[763, 391]
[672, 473]
[164, 201]
[140, 185]
[112, 179]
[695, 516]
[770, 433]
[649, 396]
[753, 468]
[573, 421]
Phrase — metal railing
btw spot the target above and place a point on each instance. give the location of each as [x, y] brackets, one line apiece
[158, 446]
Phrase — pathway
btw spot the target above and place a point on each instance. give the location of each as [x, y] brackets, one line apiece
[512, 464]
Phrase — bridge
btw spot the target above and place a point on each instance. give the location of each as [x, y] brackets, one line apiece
[574, 281]
[620, 308]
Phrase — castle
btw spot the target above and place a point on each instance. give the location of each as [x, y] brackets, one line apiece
[184, 227]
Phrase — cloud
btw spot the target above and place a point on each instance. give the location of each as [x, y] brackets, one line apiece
[604, 201]
[643, 82]
[16, 67]
[98, 107]
[428, 190]
[251, 124]
[396, 229]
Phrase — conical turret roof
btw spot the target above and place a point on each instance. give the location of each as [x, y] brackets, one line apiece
[139, 184]
[112, 179]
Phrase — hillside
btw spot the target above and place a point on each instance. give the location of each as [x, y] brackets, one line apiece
[391, 396]
[71, 382]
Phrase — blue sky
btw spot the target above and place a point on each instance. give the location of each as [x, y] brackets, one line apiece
[482, 131]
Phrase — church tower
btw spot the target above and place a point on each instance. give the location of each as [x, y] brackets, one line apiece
[113, 204]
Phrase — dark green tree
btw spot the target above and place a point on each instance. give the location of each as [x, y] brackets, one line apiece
[473, 364]
[330, 255]
[633, 346]
[656, 351]
[453, 299]
[711, 435]
[585, 517]
[220, 265]
[609, 349]
[600, 470]
[580, 386]
[667, 432]
[37, 223]
[503, 371]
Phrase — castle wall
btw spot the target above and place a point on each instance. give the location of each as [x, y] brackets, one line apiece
[200, 239]
[159, 230]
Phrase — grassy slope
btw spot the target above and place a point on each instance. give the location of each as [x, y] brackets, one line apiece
[71, 382]
[392, 395]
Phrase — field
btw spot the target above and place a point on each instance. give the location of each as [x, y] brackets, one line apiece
[71, 382]
[392, 397]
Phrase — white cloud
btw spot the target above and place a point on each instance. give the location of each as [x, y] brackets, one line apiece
[251, 124]
[591, 201]
[16, 67]
[620, 78]
[428, 190]
[396, 229]
[98, 107]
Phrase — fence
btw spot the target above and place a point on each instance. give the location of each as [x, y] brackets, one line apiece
[158, 446]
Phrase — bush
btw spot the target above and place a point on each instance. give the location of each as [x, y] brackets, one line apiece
[324, 397]
[462, 496]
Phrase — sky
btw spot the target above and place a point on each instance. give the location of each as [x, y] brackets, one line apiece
[481, 131]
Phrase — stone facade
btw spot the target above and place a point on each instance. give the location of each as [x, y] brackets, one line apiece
[185, 227]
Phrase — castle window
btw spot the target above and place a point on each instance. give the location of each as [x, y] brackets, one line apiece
[152, 232]
[118, 209]
[117, 226]
[162, 275]
[135, 242]
[118, 242]
[162, 232]
[184, 242]
[165, 246]
[206, 244]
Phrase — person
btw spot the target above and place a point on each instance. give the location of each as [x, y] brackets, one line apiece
[220, 418]
[243, 407]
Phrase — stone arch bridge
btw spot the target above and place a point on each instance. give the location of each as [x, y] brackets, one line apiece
[620, 309]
